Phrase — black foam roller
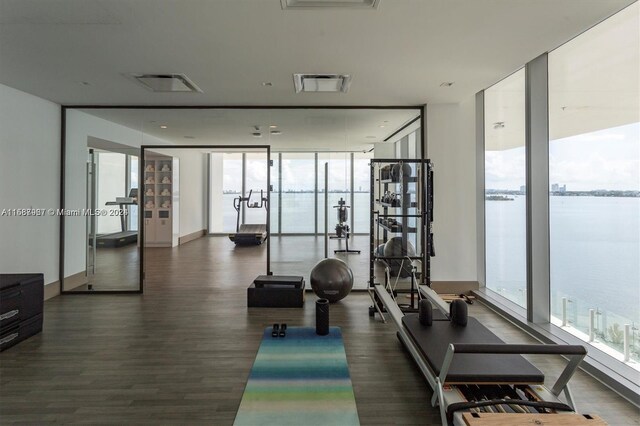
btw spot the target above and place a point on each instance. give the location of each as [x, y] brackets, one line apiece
[458, 311]
[425, 312]
[322, 317]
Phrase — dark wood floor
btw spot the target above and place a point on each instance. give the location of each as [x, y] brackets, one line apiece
[181, 353]
[117, 268]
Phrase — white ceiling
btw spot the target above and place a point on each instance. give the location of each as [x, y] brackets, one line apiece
[594, 84]
[398, 54]
[302, 129]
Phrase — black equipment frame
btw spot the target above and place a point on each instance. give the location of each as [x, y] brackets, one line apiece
[424, 216]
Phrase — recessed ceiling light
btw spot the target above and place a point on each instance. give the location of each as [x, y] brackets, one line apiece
[385, 121]
[267, 83]
[273, 126]
[163, 126]
[382, 126]
[321, 82]
[85, 83]
[446, 84]
[256, 134]
[276, 132]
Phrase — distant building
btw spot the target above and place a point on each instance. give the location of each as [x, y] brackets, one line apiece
[557, 188]
[523, 188]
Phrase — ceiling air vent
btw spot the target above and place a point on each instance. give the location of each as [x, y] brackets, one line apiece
[322, 82]
[329, 4]
[166, 82]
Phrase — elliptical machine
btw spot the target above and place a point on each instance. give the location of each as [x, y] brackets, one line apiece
[342, 229]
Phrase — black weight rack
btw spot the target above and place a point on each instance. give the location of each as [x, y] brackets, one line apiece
[406, 213]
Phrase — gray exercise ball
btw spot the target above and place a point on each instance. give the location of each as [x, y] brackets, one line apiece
[331, 279]
[394, 248]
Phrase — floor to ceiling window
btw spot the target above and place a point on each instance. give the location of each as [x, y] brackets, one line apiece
[298, 187]
[361, 190]
[111, 185]
[255, 171]
[231, 188]
[505, 190]
[133, 184]
[339, 185]
[274, 206]
[594, 171]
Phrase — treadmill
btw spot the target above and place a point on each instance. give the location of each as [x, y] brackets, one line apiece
[125, 236]
[249, 234]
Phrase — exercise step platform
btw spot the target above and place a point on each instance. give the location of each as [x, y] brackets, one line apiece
[276, 291]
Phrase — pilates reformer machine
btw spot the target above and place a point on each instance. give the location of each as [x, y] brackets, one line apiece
[477, 379]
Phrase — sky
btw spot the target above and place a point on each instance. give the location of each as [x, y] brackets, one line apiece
[607, 159]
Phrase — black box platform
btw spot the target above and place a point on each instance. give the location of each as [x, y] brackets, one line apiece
[276, 291]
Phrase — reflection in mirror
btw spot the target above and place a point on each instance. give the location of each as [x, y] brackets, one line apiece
[101, 203]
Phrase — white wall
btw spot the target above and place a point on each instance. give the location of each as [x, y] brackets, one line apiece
[193, 190]
[30, 177]
[384, 150]
[451, 145]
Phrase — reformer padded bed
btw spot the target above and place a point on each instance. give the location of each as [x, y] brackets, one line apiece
[433, 342]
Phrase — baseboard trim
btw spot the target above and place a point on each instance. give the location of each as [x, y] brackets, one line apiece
[190, 237]
[454, 287]
[76, 280]
[51, 290]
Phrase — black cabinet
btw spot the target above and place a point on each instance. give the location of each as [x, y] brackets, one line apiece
[21, 303]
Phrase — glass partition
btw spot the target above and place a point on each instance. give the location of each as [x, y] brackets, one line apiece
[186, 194]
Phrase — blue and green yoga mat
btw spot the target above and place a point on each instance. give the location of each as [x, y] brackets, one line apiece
[301, 379]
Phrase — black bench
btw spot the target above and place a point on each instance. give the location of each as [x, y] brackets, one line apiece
[433, 342]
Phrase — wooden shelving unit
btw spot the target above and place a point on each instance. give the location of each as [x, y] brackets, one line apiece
[161, 201]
